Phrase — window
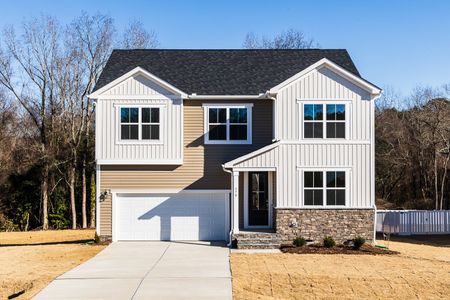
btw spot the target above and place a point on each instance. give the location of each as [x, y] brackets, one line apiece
[317, 125]
[313, 183]
[324, 188]
[335, 188]
[150, 123]
[335, 121]
[228, 124]
[217, 124]
[313, 124]
[129, 123]
[139, 123]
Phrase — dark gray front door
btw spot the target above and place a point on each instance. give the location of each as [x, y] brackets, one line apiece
[258, 199]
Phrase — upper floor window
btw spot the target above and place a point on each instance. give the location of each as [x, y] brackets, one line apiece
[140, 123]
[324, 121]
[324, 188]
[228, 124]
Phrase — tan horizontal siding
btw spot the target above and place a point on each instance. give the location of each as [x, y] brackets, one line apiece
[106, 217]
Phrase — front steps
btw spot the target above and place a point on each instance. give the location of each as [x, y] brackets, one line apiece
[257, 240]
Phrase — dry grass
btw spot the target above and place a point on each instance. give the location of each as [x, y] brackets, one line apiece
[31, 260]
[420, 271]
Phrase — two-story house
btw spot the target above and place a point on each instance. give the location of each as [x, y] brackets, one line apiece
[251, 146]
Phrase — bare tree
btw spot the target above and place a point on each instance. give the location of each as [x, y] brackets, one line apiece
[412, 149]
[27, 70]
[88, 45]
[290, 39]
[136, 36]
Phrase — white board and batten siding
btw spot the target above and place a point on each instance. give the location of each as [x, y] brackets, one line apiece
[139, 91]
[295, 154]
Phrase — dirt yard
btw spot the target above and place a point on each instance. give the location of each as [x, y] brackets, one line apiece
[420, 271]
[31, 260]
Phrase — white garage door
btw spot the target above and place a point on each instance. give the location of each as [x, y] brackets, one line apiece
[182, 216]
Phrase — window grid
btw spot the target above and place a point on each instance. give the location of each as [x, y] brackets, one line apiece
[324, 121]
[154, 113]
[140, 123]
[324, 188]
[228, 124]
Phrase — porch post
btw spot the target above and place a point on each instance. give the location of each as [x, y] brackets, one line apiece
[235, 202]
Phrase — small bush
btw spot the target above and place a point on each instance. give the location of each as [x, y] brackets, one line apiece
[358, 242]
[299, 241]
[329, 242]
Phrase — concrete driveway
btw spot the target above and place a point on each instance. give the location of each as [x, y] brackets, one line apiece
[148, 270]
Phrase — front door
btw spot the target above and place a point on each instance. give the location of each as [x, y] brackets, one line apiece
[258, 199]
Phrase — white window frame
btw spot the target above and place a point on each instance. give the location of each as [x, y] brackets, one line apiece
[206, 124]
[140, 123]
[324, 121]
[324, 188]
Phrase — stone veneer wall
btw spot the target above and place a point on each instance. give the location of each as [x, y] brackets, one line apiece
[315, 224]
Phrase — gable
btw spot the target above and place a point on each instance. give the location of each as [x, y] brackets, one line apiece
[332, 71]
[137, 85]
[325, 84]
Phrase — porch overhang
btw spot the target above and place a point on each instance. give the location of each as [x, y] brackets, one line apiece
[263, 159]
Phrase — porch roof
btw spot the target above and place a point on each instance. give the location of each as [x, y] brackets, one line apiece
[264, 157]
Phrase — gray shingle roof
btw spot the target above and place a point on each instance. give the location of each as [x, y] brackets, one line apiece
[221, 72]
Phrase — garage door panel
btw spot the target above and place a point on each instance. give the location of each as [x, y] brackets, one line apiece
[171, 217]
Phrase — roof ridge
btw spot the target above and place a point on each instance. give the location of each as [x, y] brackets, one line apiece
[229, 49]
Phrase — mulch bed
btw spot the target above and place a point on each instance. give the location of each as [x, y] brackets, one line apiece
[340, 249]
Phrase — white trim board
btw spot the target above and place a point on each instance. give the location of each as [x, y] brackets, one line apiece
[167, 191]
[139, 162]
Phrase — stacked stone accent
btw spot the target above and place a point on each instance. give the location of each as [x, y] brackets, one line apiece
[257, 240]
[105, 238]
[315, 224]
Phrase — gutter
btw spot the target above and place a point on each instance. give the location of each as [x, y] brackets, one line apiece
[194, 96]
[230, 234]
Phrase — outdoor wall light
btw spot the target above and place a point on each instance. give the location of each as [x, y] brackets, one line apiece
[104, 194]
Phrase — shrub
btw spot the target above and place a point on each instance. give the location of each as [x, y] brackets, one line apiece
[329, 242]
[299, 241]
[358, 242]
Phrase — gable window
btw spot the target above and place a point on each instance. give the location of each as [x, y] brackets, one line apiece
[324, 188]
[228, 124]
[139, 123]
[324, 121]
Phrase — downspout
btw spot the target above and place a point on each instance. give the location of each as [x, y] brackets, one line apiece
[372, 165]
[230, 234]
[274, 116]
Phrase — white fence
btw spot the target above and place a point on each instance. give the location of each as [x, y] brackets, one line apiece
[412, 222]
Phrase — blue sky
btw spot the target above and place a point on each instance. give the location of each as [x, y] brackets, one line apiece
[393, 43]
